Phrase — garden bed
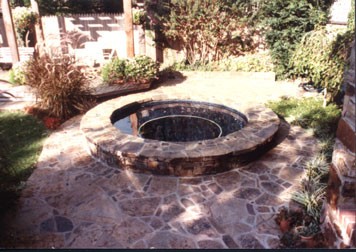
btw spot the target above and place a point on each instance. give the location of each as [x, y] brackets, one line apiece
[103, 91]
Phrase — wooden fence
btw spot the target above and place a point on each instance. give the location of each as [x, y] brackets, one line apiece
[93, 38]
[24, 52]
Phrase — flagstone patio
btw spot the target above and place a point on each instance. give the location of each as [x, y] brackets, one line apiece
[74, 201]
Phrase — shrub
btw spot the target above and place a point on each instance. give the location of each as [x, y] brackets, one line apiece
[115, 69]
[59, 83]
[351, 17]
[197, 66]
[139, 69]
[208, 30]
[258, 62]
[309, 55]
[138, 16]
[286, 22]
[24, 20]
[322, 58]
[17, 73]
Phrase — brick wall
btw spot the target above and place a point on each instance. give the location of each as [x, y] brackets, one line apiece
[340, 225]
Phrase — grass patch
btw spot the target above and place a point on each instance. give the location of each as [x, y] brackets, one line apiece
[309, 113]
[21, 137]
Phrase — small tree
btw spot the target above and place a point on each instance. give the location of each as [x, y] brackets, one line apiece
[208, 30]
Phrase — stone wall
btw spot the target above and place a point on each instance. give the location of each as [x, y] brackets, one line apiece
[340, 225]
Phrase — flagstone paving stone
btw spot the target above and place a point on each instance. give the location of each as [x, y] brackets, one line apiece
[74, 201]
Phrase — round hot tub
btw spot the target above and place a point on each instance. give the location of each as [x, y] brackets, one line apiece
[178, 137]
[177, 120]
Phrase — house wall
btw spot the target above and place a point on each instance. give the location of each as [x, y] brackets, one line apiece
[340, 225]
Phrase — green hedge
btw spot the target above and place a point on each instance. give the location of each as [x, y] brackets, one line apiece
[285, 22]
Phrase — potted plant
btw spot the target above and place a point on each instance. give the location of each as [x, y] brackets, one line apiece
[290, 239]
[307, 233]
[311, 196]
[286, 219]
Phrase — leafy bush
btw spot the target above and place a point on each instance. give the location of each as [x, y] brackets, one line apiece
[308, 113]
[113, 70]
[308, 57]
[208, 30]
[59, 83]
[139, 69]
[286, 22]
[258, 62]
[138, 16]
[24, 20]
[351, 17]
[322, 58]
[17, 73]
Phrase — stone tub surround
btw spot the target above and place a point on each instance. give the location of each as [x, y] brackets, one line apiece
[174, 158]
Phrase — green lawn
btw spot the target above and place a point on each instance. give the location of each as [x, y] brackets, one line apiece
[21, 138]
[309, 113]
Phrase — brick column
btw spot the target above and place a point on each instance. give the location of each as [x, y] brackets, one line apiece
[340, 225]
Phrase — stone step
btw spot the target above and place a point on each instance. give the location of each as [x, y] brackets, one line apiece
[346, 218]
[346, 134]
[350, 228]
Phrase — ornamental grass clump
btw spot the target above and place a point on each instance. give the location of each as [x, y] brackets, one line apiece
[61, 87]
[311, 196]
[317, 167]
